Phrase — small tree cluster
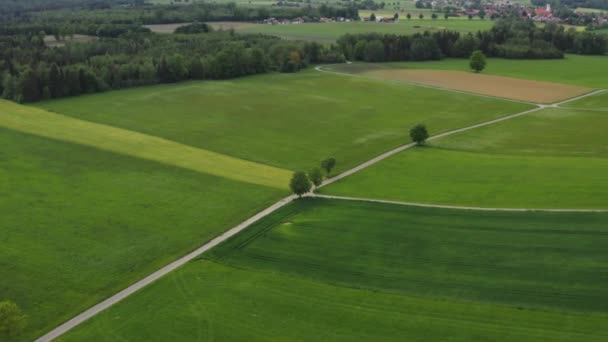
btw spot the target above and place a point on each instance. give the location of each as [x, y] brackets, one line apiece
[302, 182]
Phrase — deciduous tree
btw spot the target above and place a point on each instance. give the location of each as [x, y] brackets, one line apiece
[419, 134]
[316, 177]
[328, 164]
[478, 61]
[300, 184]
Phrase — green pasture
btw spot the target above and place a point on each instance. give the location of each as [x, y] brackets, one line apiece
[343, 271]
[79, 223]
[573, 69]
[596, 102]
[540, 160]
[332, 31]
[289, 121]
[39, 122]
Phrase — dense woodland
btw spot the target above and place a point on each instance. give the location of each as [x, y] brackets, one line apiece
[509, 38]
[31, 71]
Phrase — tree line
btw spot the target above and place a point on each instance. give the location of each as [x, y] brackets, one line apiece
[30, 71]
[508, 38]
[86, 21]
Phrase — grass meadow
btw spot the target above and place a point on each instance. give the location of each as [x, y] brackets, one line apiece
[79, 223]
[285, 120]
[55, 126]
[595, 102]
[536, 161]
[341, 271]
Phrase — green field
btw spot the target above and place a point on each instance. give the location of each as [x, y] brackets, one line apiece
[596, 102]
[343, 271]
[55, 126]
[574, 69]
[285, 120]
[79, 223]
[540, 160]
[332, 31]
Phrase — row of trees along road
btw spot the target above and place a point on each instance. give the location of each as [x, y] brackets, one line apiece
[302, 183]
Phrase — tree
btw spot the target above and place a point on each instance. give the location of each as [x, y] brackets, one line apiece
[419, 134]
[372, 17]
[478, 61]
[197, 71]
[421, 16]
[396, 16]
[300, 184]
[55, 85]
[408, 16]
[315, 176]
[482, 14]
[328, 164]
[12, 320]
[446, 16]
[470, 17]
[374, 51]
[9, 87]
[434, 16]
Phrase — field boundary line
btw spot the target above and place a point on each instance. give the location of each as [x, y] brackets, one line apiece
[584, 109]
[458, 207]
[105, 304]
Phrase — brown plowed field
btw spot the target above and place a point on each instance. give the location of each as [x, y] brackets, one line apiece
[505, 87]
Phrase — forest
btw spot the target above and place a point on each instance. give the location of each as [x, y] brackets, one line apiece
[508, 38]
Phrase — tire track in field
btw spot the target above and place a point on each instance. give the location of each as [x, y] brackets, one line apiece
[441, 206]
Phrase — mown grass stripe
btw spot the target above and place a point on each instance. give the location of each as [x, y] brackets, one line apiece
[39, 122]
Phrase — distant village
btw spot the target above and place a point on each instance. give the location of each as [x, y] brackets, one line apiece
[455, 8]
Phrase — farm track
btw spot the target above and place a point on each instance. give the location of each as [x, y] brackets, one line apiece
[98, 308]
[426, 205]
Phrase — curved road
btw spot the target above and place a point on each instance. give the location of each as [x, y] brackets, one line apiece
[96, 309]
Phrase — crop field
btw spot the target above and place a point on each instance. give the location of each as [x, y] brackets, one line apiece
[287, 121]
[341, 271]
[80, 223]
[498, 86]
[573, 69]
[539, 160]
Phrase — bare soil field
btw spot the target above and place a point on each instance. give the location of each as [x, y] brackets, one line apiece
[505, 87]
[218, 25]
[165, 28]
[231, 25]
